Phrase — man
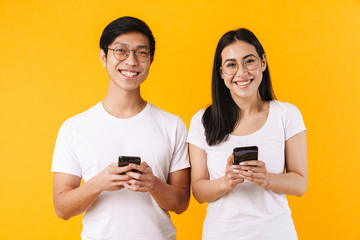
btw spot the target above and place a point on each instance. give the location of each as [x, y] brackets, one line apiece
[119, 203]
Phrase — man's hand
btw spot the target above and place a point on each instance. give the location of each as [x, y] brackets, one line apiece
[142, 181]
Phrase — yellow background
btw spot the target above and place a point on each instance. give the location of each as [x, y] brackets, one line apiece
[50, 71]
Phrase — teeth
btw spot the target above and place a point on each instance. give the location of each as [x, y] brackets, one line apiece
[243, 83]
[129, 74]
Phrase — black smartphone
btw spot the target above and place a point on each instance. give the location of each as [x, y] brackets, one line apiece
[126, 160]
[245, 153]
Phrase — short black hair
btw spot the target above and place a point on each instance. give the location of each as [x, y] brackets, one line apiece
[222, 116]
[125, 25]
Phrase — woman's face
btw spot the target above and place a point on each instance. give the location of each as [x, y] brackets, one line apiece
[243, 82]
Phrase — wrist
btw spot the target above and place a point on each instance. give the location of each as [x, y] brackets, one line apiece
[154, 184]
[223, 187]
[267, 181]
[93, 187]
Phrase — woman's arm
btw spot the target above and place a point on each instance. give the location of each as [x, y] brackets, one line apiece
[294, 181]
[205, 190]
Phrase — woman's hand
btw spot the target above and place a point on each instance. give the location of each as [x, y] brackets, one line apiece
[232, 175]
[255, 171]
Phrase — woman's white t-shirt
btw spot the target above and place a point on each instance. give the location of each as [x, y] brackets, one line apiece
[249, 211]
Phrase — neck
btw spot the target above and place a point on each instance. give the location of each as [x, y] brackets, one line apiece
[250, 106]
[123, 103]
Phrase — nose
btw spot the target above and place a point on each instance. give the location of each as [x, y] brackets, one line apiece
[131, 59]
[242, 71]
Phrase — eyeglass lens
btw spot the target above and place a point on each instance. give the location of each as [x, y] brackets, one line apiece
[122, 53]
[231, 67]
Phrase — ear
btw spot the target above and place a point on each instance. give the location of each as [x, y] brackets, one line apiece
[221, 73]
[263, 63]
[102, 57]
[151, 59]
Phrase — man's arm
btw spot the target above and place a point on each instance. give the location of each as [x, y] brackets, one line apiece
[171, 196]
[71, 199]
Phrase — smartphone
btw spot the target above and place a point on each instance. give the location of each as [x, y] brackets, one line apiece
[245, 153]
[126, 160]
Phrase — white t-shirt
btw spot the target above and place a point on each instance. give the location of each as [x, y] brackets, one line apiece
[90, 141]
[248, 211]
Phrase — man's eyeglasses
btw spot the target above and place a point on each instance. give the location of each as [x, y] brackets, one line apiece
[121, 53]
[250, 63]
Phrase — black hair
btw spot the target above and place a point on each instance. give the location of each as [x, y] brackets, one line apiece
[222, 116]
[125, 25]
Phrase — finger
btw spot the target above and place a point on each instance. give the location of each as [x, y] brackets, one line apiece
[145, 164]
[252, 163]
[135, 175]
[118, 170]
[140, 168]
[254, 169]
[135, 188]
[259, 182]
[253, 175]
[230, 160]
[240, 180]
[122, 177]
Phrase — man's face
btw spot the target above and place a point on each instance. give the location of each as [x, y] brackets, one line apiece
[127, 74]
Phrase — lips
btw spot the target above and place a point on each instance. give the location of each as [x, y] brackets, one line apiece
[128, 73]
[243, 83]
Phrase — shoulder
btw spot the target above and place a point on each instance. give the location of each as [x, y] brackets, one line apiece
[284, 108]
[81, 118]
[198, 116]
[165, 118]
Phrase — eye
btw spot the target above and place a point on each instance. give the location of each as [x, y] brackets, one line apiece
[142, 52]
[121, 50]
[249, 61]
[230, 65]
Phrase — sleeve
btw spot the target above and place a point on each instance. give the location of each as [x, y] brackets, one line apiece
[180, 158]
[64, 157]
[294, 122]
[196, 134]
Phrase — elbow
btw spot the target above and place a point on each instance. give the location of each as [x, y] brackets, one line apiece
[182, 206]
[302, 190]
[199, 199]
[62, 215]
[180, 210]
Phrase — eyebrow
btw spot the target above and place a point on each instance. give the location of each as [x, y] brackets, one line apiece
[233, 59]
[127, 45]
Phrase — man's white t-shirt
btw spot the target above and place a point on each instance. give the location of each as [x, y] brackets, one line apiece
[248, 211]
[92, 140]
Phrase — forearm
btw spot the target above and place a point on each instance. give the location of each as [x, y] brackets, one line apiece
[75, 201]
[288, 183]
[170, 198]
[205, 190]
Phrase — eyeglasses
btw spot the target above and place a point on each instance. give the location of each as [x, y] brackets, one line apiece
[250, 63]
[121, 53]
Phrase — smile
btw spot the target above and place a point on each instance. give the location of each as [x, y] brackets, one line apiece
[128, 73]
[243, 83]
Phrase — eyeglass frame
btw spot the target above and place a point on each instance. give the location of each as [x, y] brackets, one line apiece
[243, 63]
[128, 53]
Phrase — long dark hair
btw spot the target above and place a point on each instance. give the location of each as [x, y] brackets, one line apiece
[221, 117]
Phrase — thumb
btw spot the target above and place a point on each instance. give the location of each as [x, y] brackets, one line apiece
[144, 164]
[230, 160]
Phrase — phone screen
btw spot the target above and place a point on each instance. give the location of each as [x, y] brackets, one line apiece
[245, 153]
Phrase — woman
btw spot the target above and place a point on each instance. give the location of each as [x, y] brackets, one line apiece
[246, 201]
